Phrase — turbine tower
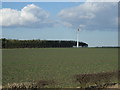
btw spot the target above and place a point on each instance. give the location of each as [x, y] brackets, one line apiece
[78, 38]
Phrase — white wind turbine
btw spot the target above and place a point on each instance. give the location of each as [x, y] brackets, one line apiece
[78, 30]
[78, 38]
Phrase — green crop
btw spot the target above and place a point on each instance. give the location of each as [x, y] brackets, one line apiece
[56, 64]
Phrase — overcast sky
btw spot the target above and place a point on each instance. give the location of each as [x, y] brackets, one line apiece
[98, 22]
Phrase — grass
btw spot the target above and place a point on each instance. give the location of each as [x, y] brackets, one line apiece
[99, 80]
[57, 64]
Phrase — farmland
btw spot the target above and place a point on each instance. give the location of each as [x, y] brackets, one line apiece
[57, 64]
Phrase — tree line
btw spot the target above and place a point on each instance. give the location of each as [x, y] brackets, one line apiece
[10, 43]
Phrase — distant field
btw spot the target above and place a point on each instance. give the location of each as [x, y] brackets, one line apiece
[58, 64]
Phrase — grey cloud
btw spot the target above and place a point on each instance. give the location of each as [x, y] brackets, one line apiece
[95, 16]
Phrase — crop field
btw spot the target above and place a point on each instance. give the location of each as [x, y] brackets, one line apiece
[56, 64]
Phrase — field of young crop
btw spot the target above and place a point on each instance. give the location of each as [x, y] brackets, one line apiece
[58, 65]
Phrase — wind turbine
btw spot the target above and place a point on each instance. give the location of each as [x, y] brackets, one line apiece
[78, 38]
[78, 30]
